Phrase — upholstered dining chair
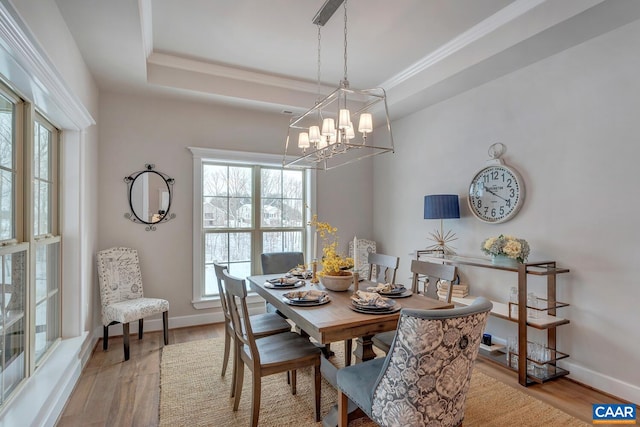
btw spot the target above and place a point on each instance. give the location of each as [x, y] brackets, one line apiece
[425, 377]
[262, 325]
[122, 297]
[421, 269]
[279, 262]
[283, 352]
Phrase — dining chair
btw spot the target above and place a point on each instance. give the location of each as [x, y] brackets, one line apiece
[279, 262]
[384, 267]
[425, 377]
[262, 324]
[121, 295]
[283, 352]
[420, 269]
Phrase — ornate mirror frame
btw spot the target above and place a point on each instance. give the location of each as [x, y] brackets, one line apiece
[147, 189]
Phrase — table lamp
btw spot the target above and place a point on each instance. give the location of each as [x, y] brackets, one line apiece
[442, 206]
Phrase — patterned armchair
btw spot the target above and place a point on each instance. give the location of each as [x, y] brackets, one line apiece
[425, 377]
[121, 295]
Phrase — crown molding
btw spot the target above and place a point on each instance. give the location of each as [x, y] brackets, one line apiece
[39, 78]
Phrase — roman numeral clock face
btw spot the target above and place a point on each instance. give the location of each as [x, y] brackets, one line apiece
[496, 194]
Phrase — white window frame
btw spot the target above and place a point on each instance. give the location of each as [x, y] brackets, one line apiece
[202, 155]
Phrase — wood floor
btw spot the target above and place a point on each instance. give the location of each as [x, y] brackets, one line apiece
[111, 392]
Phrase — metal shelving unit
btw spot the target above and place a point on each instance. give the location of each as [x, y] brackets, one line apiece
[546, 317]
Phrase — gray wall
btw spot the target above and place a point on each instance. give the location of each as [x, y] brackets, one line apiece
[571, 126]
[135, 130]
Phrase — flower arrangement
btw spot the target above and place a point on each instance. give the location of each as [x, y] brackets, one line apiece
[509, 246]
[333, 263]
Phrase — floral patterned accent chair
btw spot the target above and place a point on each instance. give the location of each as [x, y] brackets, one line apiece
[425, 377]
[121, 295]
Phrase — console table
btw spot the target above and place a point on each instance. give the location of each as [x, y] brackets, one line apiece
[546, 313]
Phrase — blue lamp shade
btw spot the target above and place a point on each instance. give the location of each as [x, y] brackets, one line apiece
[441, 206]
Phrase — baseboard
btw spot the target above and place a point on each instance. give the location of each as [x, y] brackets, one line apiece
[601, 382]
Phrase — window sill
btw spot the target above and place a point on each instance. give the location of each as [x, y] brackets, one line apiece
[214, 302]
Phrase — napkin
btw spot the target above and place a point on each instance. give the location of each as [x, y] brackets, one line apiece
[311, 295]
[384, 287]
[370, 299]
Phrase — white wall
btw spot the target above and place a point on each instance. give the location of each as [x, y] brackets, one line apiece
[571, 126]
[135, 130]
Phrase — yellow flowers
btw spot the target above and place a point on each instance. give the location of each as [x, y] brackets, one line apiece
[510, 246]
[333, 263]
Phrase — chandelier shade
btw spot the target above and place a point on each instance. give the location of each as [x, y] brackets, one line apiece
[325, 134]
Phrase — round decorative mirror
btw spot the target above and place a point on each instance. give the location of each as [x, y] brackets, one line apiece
[150, 193]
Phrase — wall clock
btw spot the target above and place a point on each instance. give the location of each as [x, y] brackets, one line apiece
[496, 192]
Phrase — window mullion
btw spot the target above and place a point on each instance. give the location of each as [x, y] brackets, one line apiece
[256, 235]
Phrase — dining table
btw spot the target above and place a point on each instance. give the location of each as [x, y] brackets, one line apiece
[337, 321]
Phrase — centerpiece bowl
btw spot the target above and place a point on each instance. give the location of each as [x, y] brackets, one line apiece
[337, 283]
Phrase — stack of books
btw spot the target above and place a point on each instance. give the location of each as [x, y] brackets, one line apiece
[459, 291]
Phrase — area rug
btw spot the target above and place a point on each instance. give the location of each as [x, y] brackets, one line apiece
[192, 393]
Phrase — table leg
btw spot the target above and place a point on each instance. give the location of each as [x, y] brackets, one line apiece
[364, 349]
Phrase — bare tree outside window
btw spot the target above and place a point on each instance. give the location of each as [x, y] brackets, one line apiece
[240, 221]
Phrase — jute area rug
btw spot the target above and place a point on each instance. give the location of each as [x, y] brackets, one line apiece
[192, 393]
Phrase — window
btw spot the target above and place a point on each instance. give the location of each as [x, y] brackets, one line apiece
[244, 206]
[47, 246]
[29, 246]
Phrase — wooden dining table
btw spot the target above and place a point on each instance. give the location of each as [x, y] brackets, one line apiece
[336, 321]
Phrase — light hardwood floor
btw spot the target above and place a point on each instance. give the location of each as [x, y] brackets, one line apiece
[112, 392]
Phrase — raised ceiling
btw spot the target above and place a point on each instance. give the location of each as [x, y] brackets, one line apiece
[263, 53]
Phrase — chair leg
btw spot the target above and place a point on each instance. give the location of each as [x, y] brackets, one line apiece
[238, 385]
[105, 338]
[140, 327]
[343, 414]
[125, 339]
[225, 357]
[294, 377]
[348, 347]
[236, 363]
[318, 388]
[255, 400]
[165, 327]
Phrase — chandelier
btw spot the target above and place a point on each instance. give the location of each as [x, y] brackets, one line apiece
[339, 129]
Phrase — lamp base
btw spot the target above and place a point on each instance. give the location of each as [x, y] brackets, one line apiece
[442, 241]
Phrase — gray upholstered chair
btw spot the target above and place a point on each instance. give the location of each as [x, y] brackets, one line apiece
[262, 324]
[280, 262]
[421, 269]
[425, 377]
[121, 295]
[284, 352]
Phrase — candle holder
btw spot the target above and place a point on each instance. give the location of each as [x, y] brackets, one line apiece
[355, 281]
[314, 271]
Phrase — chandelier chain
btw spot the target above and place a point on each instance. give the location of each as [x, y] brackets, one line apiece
[345, 41]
